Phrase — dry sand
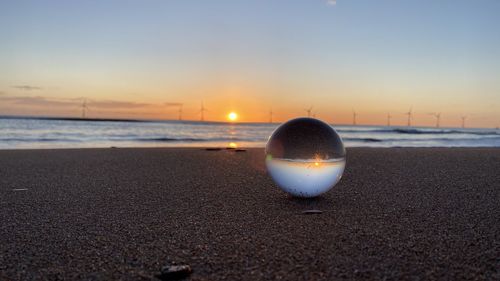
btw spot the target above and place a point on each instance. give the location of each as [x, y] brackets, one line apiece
[101, 214]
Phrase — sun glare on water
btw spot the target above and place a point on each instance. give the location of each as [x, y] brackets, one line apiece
[232, 116]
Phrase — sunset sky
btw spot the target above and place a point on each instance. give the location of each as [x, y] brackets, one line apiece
[140, 59]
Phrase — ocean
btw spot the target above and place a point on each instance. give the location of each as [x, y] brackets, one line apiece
[34, 133]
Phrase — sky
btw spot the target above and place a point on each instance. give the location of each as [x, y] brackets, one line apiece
[143, 59]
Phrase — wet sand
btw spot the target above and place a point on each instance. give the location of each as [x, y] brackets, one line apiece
[101, 214]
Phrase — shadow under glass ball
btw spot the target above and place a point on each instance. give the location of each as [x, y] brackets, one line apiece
[305, 157]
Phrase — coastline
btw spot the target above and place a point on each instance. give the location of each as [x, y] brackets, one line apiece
[397, 214]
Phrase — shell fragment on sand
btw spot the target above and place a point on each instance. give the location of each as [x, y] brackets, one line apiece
[175, 272]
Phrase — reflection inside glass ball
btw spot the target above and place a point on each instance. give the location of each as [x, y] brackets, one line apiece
[305, 157]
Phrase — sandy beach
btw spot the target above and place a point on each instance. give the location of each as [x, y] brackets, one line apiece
[104, 214]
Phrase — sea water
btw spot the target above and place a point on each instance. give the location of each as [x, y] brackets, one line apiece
[35, 132]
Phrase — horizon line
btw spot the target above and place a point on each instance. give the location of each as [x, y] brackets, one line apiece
[81, 119]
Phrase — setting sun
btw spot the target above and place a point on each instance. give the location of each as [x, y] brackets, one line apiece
[232, 116]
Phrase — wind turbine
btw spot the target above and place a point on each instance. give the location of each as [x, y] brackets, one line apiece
[180, 112]
[271, 115]
[177, 105]
[309, 111]
[85, 108]
[410, 115]
[389, 116]
[202, 112]
[438, 118]
[354, 115]
[464, 117]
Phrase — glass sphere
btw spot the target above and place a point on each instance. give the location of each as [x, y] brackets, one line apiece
[305, 157]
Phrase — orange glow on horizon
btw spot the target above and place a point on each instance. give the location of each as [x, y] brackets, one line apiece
[245, 106]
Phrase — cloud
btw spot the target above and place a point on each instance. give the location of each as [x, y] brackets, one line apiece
[40, 101]
[331, 2]
[26, 87]
[172, 104]
[95, 106]
[37, 101]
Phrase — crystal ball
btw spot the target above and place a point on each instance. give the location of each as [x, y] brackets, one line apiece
[305, 157]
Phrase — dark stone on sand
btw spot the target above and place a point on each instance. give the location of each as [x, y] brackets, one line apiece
[213, 149]
[175, 272]
[240, 150]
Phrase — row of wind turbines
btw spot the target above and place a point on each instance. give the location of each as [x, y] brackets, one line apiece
[409, 115]
[309, 111]
[85, 109]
